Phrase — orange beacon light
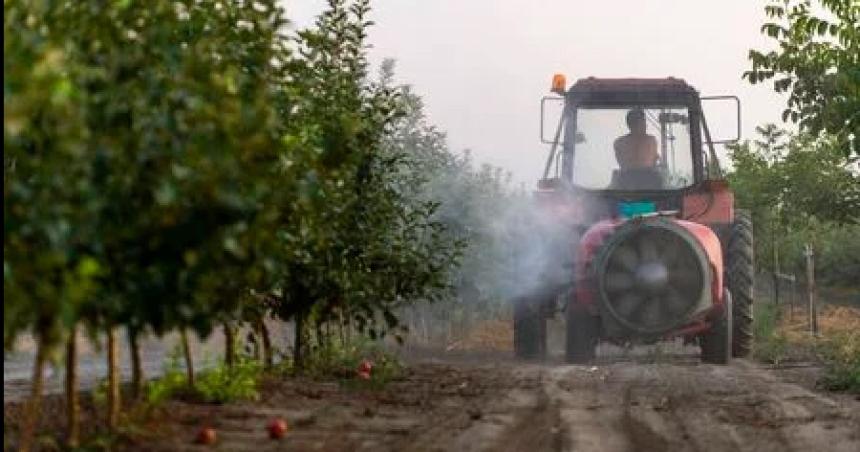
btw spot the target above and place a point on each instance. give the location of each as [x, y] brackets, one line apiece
[559, 84]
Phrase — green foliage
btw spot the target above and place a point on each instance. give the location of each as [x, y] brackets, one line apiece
[47, 196]
[817, 61]
[769, 345]
[223, 384]
[837, 260]
[800, 190]
[842, 353]
[362, 244]
[161, 183]
[341, 361]
[218, 384]
[172, 381]
[162, 389]
[178, 164]
[839, 352]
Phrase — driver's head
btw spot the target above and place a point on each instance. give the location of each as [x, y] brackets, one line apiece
[636, 120]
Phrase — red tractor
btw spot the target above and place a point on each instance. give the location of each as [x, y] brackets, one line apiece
[645, 229]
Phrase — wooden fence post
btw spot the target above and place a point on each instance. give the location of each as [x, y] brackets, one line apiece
[810, 287]
[775, 270]
[793, 300]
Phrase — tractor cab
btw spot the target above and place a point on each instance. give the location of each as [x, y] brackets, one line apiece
[631, 139]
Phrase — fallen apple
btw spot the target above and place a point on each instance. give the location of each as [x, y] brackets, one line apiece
[277, 428]
[364, 375]
[365, 366]
[206, 436]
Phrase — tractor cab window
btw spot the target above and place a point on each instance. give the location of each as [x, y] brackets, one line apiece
[632, 148]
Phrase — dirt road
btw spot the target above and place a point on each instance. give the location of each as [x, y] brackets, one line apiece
[490, 403]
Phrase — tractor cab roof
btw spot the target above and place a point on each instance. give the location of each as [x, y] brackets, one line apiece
[632, 91]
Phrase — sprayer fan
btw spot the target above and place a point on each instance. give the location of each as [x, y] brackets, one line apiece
[652, 277]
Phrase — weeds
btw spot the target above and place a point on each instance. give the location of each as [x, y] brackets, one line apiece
[837, 347]
[226, 384]
[171, 382]
[166, 387]
[339, 361]
[218, 384]
[841, 352]
[771, 345]
[223, 384]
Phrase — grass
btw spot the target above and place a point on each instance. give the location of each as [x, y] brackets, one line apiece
[778, 336]
[341, 361]
[771, 346]
[841, 352]
[216, 384]
[223, 384]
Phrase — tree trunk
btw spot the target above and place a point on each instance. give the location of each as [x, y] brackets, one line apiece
[268, 361]
[254, 339]
[113, 394]
[424, 327]
[137, 377]
[348, 324]
[186, 350]
[73, 406]
[341, 324]
[319, 333]
[298, 343]
[31, 411]
[229, 345]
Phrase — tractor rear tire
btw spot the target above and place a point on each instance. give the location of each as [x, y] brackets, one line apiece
[583, 333]
[717, 343]
[740, 279]
[529, 329]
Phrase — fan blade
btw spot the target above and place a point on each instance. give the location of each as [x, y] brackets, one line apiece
[628, 303]
[674, 302]
[651, 313]
[627, 258]
[647, 249]
[669, 253]
[618, 281]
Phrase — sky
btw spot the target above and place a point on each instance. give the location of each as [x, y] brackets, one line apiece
[482, 66]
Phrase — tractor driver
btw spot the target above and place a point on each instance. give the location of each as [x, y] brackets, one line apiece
[637, 149]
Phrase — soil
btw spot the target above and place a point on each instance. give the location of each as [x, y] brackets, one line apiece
[485, 401]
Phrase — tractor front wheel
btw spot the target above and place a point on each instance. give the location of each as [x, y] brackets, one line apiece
[529, 329]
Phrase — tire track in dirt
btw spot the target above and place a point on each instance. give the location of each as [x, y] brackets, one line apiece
[537, 428]
[471, 426]
[698, 408]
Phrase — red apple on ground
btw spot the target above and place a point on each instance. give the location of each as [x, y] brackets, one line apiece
[277, 428]
[365, 366]
[364, 375]
[206, 436]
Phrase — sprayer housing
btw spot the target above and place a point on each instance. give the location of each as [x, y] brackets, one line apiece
[648, 277]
